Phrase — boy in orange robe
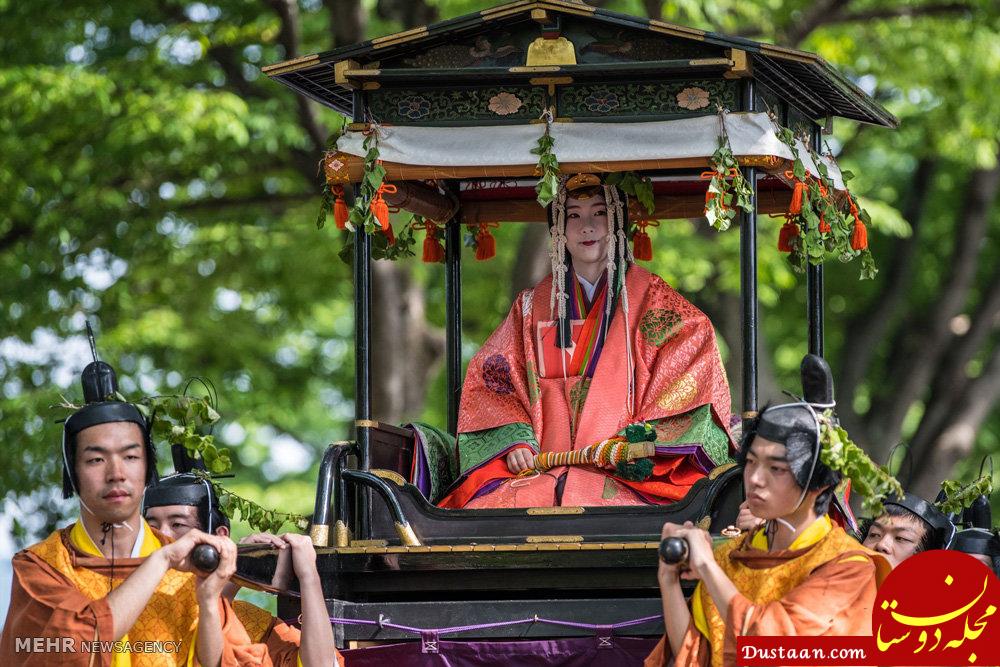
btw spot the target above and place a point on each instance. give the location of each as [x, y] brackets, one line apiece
[111, 578]
[183, 503]
[799, 575]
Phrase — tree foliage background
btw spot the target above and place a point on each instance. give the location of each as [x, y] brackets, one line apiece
[154, 181]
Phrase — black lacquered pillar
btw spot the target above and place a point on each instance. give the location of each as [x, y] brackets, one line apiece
[453, 318]
[814, 281]
[362, 350]
[748, 278]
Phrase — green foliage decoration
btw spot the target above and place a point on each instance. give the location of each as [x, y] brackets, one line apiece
[824, 225]
[959, 496]
[840, 453]
[548, 167]
[728, 189]
[638, 187]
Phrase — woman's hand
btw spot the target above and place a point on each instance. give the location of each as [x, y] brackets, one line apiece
[520, 459]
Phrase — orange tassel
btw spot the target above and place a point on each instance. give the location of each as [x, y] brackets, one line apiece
[340, 213]
[789, 231]
[642, 245]
[486, 244]
[433, 250]
[798, 194]
[859, 235]
[824, 226]
[389, 234]
[380, 209]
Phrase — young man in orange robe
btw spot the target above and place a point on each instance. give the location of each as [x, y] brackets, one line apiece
[111, 578]
[798, 575]
[183, 503]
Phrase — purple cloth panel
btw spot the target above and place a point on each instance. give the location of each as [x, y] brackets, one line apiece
[421, 473]
[701, 458]
[609, 651]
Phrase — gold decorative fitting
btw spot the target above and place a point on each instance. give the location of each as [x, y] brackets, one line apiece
[366, 423]
[750, 414]
[341, 534]
[400, 37]
[766, 161]
[340, 72]
[558, 51]
[541, 511]
[741, 65]
[704, 522]
[320, 535]
[537, 539]
[406, 535]
[390, 475]
[540, 15]
[718, 470]
[291, 65]
[369, 543]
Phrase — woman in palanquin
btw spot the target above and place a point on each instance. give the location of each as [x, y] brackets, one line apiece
[594, 347]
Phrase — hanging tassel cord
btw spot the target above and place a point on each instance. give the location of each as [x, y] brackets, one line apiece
[486, 243]
[379, 207]
[859, 234]
[642, 244]
[341, 214]
[433, 250]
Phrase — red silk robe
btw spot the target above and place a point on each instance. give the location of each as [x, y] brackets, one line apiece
[512, 398]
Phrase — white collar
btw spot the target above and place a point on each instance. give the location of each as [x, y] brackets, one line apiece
[587, 287]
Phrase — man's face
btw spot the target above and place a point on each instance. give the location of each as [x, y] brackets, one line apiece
[770, 486]
[111, 470]
[174, 520]
[895, 537]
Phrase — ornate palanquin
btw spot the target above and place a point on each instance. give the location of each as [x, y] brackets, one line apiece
[458, 105]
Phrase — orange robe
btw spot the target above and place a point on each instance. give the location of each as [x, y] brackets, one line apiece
[282, 640]
[513, 398]
[824, 585]
[59, 592]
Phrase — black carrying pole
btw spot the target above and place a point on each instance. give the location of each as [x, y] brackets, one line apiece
[814, 279]
[748, 277]
[362, 349]
[453, 317]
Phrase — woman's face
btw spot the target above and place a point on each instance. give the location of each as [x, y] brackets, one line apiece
[587, 231]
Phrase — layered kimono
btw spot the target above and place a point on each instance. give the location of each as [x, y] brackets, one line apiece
[823, 585]
[59, 591]
[661, 367]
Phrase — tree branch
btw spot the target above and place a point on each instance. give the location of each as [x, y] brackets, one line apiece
[273, 201]
[289, 37]
[911, 379]
[952, 376]
[15, 234]
[937, 9]
[347, 21]
[870, 326]
[820, 13]
[959, 437]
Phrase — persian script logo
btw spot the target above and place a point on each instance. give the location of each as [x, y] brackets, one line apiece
[938, 608]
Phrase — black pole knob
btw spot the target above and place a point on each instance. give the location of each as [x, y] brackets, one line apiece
[205, 557]
[674, 551]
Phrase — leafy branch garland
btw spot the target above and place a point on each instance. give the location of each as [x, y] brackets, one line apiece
[257, 517]
[548, 165]
[816, 225]
[840, 453]
[959, 496]
[638, 187]
[727, 185]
